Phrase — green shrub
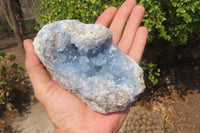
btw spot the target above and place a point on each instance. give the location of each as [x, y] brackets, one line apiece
[11, 75]
[173, 20]
[86, 11]
[152, 72]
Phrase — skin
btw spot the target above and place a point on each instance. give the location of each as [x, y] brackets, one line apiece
[66, 111]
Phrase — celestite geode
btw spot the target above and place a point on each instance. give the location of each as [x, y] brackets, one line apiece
[82, 59]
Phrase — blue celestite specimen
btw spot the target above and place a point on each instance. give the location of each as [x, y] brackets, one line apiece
[82, 59]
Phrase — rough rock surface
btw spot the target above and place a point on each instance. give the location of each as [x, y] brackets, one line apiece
[82, 59]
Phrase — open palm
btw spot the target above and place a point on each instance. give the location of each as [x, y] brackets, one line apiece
[66, 111]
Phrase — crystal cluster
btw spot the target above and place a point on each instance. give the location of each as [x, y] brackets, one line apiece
[83, 59]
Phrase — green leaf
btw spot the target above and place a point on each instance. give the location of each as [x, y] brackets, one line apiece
[22, 68]
[2, 54]
[3, 69]
[14, 66]
[1, 83]
[1, 101]
[12, 57]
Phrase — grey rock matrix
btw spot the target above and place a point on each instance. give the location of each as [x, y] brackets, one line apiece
[82, 59]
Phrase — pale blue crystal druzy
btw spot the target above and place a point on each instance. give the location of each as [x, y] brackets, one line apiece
[82, 59]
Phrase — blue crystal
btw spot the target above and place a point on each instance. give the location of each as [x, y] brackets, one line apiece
[82, 59]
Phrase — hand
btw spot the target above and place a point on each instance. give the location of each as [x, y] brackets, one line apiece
[66, 111]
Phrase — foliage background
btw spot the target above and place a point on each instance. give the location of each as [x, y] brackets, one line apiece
[173, 20]
[86, 11]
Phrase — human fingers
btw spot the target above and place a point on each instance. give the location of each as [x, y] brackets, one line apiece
[133, 24]
[106, 17]
[36, 70]
[139, 43]
[120, 19]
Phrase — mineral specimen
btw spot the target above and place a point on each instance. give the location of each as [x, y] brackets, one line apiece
[82, 59]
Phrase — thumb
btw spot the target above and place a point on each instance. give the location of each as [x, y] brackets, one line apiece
[45, 88]
[38, 74]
